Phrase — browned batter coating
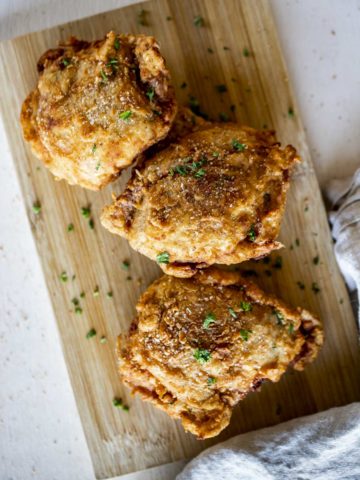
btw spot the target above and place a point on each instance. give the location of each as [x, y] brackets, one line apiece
[214, 196]
[97, 106]
[199, 345]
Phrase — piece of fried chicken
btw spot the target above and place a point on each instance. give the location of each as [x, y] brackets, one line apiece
[199, 345]
[213, 196]
[97, 106]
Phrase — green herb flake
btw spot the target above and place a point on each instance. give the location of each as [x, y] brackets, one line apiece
[232, 312]
[125, 115]
[163, 257]
[168, 18]
[291, 328]
[150, 94]
[239, 147]
[97, 166]
[245, 334]
[316, 260]
[64, 277]
[116, 43]
[251, 235]
[200, 173]
[221, 88]
[245, 306]
[315, 288]
[209, 319]
[91, 224]
[78, 310]
[94, 147]
[109, 294]
[226, 48]
[118, 403]
[211, 381]
[103, 76]
[223, 117]
[341, 301]
[291, 112]
[113, 62]
[125, 265]
[142, 18]
[198, 21]
[103, 340]
[279, 317]
[91, 333]
[297, 242]
[70, 227]
[210, 50]
[128, 278]
[306, 208]
[82, 295]
[202, 355]
[300, 285]
[96, 292]
[65, 62]
[85, 212]
[278, 263]
[246, 52]
[75, 301]
[215, 154]
[36, 208]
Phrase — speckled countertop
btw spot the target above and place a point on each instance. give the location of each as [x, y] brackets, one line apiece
[40, 432]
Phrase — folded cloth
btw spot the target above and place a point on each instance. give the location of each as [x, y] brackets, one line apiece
[324, 446]
[344, 198]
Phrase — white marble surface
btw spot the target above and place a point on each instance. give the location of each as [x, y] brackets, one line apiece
[40, 432]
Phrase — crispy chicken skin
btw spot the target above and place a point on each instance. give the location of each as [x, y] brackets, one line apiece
[199, 345]
[97, 106]
[216, 195]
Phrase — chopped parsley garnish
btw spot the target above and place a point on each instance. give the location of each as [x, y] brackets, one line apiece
[316, 260]
[78, 310]
[246, 52]
[188, 168]
[163, 257]
[168, 18]
[300, 285]
[315, 288]
[91, 333]
[239, 147]
[75, 301]
[232, 312]
[64, 277]
[251, 235]
[125, 265]
[91, 224]
[341, 301]
[291, 113]
[66, 62]
[116, 43]
[96, 292]
[245, 334]
[103, 75]
[183, 85]
[306, 209]
[112, 62]
[279, 317]
[36, 208]
[226, 48]
[109, 294]
[85, 212]
[291, 328]
[97, 166]
[93, 149]
[200, 173]
[150, 94]
[211, 381]
[297, 242]
[278, 262]
[209, 319]
[198, 21]
[202, 355]
[142, 18]
[125, 115]
[118, 403]
[210, 50]
[103, 340]
[215, 154]
[245, 306]
[82, 295]
[221, 88]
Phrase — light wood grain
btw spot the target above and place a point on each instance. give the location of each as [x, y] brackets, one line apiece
[258, 86]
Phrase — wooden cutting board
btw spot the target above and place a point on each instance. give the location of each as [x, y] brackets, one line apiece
[236, 46]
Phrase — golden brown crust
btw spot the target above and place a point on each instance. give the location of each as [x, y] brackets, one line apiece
[72, 119]
[216, 195]
[199, 345]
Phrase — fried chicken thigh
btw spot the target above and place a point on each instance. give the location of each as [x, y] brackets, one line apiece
[216, 195]
[97, 106]
[199, 345]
